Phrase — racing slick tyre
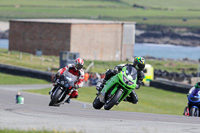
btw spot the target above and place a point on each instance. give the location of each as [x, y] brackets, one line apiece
[55, 97]
[194, 112]
[112, 100]
[97, 104]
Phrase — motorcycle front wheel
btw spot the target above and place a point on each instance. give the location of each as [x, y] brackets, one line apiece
[97, 104]
[55, 97]
[194, 112]
[110, 102]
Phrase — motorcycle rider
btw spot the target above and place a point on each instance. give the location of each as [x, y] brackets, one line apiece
[138, 64]
[196, 86]
[75, 70]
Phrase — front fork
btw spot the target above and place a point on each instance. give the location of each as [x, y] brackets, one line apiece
[102, 95]
[68, 95]
[53, 90]
[59, 87]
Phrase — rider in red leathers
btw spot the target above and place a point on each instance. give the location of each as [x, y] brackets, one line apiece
[75, 70]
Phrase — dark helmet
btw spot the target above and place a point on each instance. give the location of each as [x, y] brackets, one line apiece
[197, 85]
[79, 63]
[139, 63]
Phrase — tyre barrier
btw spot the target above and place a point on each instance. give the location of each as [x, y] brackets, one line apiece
[20, 71]
[174, 75]
[170, 86]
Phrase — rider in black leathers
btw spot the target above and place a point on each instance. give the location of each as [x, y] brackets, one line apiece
[138, 64]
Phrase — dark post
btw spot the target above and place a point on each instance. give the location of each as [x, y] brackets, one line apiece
[67, 57]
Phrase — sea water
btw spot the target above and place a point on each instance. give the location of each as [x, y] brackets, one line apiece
[165, 51]
[4, 43]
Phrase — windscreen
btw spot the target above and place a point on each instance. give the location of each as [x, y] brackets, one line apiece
[131, 72]
[70, 78]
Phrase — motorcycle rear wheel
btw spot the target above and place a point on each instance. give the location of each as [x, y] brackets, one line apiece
[194, 112]
[97, 104]
[55, 97]
[111, 102]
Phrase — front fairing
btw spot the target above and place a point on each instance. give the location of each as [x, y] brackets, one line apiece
[128, 76]
[126, 79]
[194, 96]
[67, 79]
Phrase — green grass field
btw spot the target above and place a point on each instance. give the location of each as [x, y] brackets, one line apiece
[170, 66]
[7, 79]
[159, 12]
[28, 60]
[151, 100]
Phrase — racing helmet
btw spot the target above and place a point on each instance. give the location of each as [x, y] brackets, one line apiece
[79, 63]
[197, 85]
[139, 63]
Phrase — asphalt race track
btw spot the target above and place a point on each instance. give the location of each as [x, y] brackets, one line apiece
[35, 114]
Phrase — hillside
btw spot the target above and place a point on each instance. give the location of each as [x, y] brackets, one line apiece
[158, 34]
[158, 21]
[151, 12]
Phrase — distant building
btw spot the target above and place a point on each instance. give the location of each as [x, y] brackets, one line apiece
[93, 39]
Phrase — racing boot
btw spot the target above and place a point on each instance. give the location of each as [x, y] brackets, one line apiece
[109, 73]
[100, 85]
[68, 100]
[132, 98]
[186, 111]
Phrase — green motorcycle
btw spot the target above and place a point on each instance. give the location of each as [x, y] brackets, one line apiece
[116, 88]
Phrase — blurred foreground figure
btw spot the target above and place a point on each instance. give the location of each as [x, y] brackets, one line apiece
[19, 98]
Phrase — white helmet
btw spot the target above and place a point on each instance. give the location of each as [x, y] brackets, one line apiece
[79, 63]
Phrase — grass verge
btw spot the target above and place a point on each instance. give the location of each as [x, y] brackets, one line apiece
[7, 79]
[151, 100]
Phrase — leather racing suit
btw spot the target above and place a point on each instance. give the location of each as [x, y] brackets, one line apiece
[140, 76]
[77, 72]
